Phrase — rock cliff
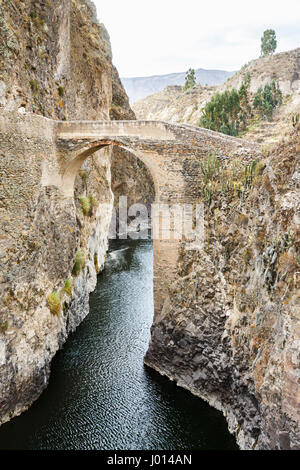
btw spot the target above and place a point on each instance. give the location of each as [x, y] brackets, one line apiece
[229, 331]
[55, 61]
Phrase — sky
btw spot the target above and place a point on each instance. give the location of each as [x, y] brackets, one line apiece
[153, 37]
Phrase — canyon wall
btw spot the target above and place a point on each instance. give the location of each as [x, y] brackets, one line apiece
[43, 297]
[229, 330]
[55, 61]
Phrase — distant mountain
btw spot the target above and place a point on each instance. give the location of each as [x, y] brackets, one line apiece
[140, 87]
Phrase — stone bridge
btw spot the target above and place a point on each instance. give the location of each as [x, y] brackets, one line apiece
[172, 153]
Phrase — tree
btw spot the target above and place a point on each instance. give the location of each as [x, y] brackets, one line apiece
[268, 42]
[228, 112]
[267, 99]
[190, 79]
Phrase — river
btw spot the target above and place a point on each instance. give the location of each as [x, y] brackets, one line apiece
[100, 394]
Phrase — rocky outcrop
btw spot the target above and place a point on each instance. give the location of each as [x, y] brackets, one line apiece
[229, 331]
[40, 234]
[175, 104]
[56, 62]
[55, 59]
[283, 67]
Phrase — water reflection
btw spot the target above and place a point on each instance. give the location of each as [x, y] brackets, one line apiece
[100, 394]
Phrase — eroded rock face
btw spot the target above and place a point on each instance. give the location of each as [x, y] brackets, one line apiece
[229, 331]
[284, 67]
[40, 233]
[55, 60]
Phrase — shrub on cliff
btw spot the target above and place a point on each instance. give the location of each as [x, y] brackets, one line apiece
[87, 204]
[54, 303]
[79, 263]
[68, 288]
[267, 99]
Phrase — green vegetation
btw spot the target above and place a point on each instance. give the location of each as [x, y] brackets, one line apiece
[295, 119]
[34, 86]
[210, 167]
[190, 79]
[68, 288]
[87, 204]
[54, 303]
[231, 112]
[79, 263]
[61, 91]
[232, 180]
[267, 99]
[268, 42]
[228, 112]
[4, 326]
[83, 174]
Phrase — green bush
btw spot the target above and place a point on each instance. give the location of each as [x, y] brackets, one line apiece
[79, 263]
[4, 326]
[93, 201]
[210, 167]
[54, 303]
[34, 86]
[228, 112]
[87, 204]
[68, 287]
[267, 99]
[61, 91]
[83, 174]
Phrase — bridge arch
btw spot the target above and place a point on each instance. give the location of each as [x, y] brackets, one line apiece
[172, 153]
[73, 165]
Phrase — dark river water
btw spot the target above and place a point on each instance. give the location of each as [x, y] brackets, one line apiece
[100, 394]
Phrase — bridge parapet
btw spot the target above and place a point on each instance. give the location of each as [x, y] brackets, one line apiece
[154, 130]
